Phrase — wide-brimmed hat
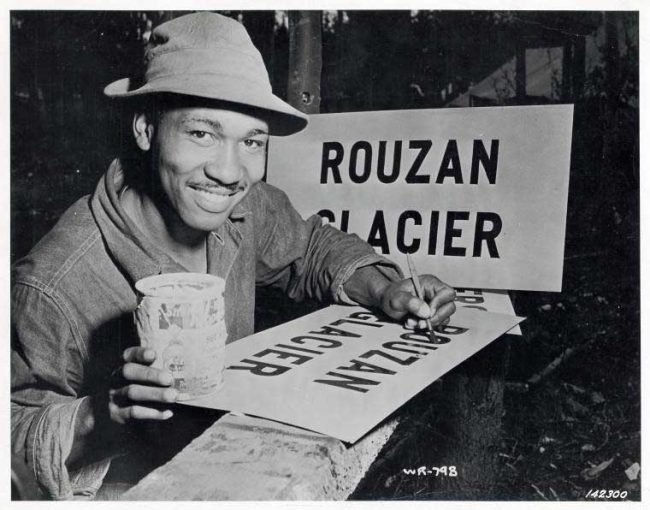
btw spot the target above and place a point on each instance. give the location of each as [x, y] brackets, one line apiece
[210, 56]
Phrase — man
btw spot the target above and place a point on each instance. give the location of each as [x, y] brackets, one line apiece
[191, 200]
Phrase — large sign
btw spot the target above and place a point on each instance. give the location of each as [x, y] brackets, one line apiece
[497, 301]
[341, 370]
[477, 196]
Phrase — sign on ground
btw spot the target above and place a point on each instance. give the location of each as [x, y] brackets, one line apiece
[341, 370]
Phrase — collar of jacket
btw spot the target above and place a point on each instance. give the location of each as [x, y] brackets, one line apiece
[136, 253]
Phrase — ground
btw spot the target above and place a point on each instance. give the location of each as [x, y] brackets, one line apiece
[587, 412]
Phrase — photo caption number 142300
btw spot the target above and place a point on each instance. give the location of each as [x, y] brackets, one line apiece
[606, 494]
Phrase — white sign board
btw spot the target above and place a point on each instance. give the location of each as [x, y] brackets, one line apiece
[477, 196]
[341, 370]
[497, 301]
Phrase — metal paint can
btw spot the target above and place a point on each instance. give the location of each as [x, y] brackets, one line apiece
[182, 317]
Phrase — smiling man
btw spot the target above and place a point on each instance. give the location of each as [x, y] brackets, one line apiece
[208, 159]
[192, 199]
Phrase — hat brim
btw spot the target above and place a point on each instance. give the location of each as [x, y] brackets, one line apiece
[283, 119]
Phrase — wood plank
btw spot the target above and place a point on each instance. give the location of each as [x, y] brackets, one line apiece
[245, 458]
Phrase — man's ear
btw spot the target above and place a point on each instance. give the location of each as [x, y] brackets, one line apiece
[142, 131]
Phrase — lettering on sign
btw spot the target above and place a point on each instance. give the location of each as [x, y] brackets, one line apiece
[476, 196]
[411, 234]
[358, 374]
[341, 370]
[362, 161]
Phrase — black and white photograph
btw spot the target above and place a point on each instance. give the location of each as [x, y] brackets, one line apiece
[359, 254]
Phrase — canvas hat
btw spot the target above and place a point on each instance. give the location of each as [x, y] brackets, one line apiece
[210, 56]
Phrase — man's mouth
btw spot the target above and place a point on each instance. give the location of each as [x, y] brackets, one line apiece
[215, 198]
[211, 189]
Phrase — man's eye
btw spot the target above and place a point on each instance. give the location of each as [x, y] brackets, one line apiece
[201, 135]
[253, 144]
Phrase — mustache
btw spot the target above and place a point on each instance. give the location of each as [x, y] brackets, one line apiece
[213, 185]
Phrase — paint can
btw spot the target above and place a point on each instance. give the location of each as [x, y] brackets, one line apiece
[182, 317]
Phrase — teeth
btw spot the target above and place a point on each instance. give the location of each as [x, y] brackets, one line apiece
[215, 191]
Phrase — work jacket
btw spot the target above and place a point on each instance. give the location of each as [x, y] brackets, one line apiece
[73, 298]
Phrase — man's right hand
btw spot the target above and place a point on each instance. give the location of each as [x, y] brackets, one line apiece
[137, 391]
[140, 391]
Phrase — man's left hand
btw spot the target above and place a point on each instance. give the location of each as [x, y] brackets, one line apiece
[399, 301]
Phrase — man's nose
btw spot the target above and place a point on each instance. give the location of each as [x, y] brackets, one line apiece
[226, 167]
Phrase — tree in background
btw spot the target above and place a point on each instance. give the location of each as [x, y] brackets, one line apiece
[305, 60]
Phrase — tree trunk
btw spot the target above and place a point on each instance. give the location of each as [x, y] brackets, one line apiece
[468, 415]
[305, 60]
[610, 170]
[456, 423]
[578, 67]
[567, 59]
[469, 419]
[520, 73]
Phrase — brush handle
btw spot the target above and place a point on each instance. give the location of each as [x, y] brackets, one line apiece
[418, 288]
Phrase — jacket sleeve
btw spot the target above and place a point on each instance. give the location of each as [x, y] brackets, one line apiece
[307, 258]
[46, 375]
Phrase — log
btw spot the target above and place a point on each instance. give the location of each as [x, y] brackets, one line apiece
[455, 422]
[245, 458]
[471, 417]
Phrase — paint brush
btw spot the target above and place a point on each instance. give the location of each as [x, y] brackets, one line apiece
[418, 289]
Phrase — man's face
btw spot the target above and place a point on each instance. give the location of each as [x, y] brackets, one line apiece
[208, 159]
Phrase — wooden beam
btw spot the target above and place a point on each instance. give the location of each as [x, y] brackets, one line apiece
[244, 458]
